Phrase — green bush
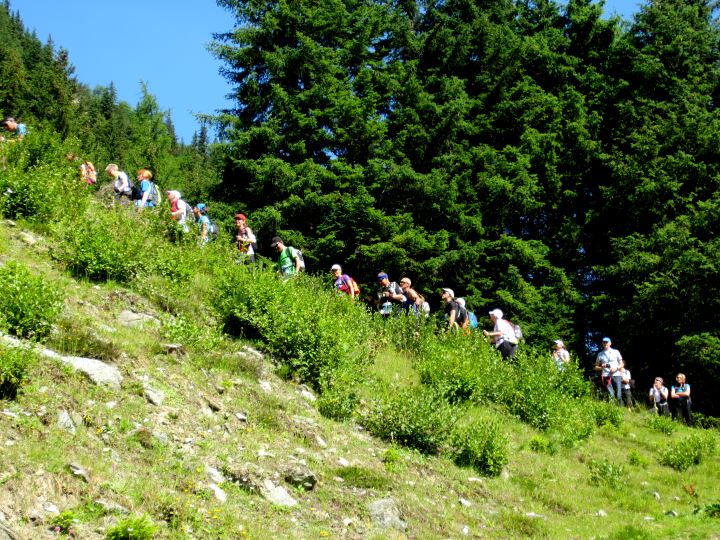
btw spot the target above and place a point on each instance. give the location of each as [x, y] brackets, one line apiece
[662, 424]
[132, 528]
[64, 521]
[482, 446]
[416, 418]
[543, 445]
[29, 305]
[14, 365]
[602, 472]
[319, 337]
[607, 414]
[682, 453]
[636, 459]
[574, 421]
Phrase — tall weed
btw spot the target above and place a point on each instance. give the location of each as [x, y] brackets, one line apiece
[482, 446]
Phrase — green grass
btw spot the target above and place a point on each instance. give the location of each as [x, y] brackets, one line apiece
[546, 489]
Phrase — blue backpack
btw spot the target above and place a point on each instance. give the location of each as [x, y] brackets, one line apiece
[473, 320]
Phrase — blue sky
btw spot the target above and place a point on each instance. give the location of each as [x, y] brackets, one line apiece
[160, 42]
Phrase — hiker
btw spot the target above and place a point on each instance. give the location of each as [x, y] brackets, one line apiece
[289, 259]
[178, 209]
[121, 184]
[344, 284]
[456, 315]
[608, 364]
[389, 296]
[244, 239]
[203, 222]
[680, 398]
[145, 189]
[88, 174]
[560, 354]
[503, 335]
[659, 397]
[16, 132]
[627, 383]
[413, 301]
[472, 318]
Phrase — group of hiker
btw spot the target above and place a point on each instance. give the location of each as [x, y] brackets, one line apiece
[615, 379]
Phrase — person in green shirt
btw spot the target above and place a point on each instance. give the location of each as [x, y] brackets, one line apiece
[289, 260]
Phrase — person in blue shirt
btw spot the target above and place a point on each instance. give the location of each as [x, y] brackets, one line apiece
[17, 131]
[203, 222]
[144, 178]
[680, 398]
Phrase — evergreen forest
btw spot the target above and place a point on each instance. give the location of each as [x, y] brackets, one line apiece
[534, 156]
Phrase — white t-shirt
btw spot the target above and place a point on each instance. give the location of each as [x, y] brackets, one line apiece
[508, 332]
[659, 394]
[609, 359]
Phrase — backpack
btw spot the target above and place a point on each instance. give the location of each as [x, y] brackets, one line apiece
[155, 196]
[473, 319]
[300, 257]
[516, 330]
[354, 286]
[189, 214]
[131, 185]
[213, 230]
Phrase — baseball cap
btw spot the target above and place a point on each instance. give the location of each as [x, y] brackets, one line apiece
[382, 275]
[497, 313]
[559, 342]
[275, 241]
[449, 291]
[335, 267]
[200, 206]
[8, 119]
[607, 339]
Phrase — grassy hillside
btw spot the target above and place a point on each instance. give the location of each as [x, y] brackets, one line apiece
[238, 387]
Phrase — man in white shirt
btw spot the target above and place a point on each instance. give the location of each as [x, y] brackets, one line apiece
[609, 363]
[503, 335]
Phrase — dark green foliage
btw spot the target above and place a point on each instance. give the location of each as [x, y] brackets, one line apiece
[29, 303]
[663, 424]
[417, 418]
[359, 477]
[682, 452]
[14, 366]
[606, 414]
[132, 528]
[482, 446]
[603, 472]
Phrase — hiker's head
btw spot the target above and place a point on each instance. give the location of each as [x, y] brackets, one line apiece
[144, 174]
[200, 209]
[680, 378]
[383, 279]
[606, 342]
[277, 244]
[113, 170]
[240, 220]
[447, 294]
[9, 123]
[336, 269]
[172, 195]
[496, 314]
[405, 283]
[559, 344]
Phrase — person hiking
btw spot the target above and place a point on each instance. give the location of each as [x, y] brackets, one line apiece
[178, 209]
[560, 354]
[344, 284]
[244, 239]
[203, 222]
[289, 258]
[608, 363]
[502, 335]
[472, 318]
[659, 397]
[680, 398]
[626, 387]
[390, 296]
[456, 314]
[16, 131]
[145, 189]
[413, 300]
[121, 183]
[88, 174]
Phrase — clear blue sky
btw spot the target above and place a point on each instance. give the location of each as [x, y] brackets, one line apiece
[160, 42]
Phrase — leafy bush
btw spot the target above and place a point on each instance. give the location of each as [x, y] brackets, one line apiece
[482, 446]
[132, 528]
[29, 305]
[682, 453]
[320, 338]
[14, 365]
[602, 472]
[662, 424]
[416, 417]
[607, 414]
[64, 521]
[636, 459]
[574, 421]
[543, 445]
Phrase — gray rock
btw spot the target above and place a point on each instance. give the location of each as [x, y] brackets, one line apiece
[464, 502]
[154, 397]
[671, 513]
[77, 470]
[299, 476]
[28, 238]
[601, 513]
[656, 495]
[110, 507]
[214, 404]
[50, 508]
[244, 478]
[214, 475]
[220, 495]
[137, 320]
[65, 421]
[277, 494]
[386, 515]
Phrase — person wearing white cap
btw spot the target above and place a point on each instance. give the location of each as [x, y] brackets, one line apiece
[560, 355]
[343, 283]
[609, 362]
[456, 314]
[503, 335]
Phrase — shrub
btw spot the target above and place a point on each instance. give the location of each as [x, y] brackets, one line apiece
[416, 417]
[662, 424]
[29, 305]
[636, 459]
[682, 453]
[14, 365]
[482, 446]
[602, 472]
[574, 421]
[64, 521]
[320, 338]
[132, 528]
[543, 445]
[607, 414]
